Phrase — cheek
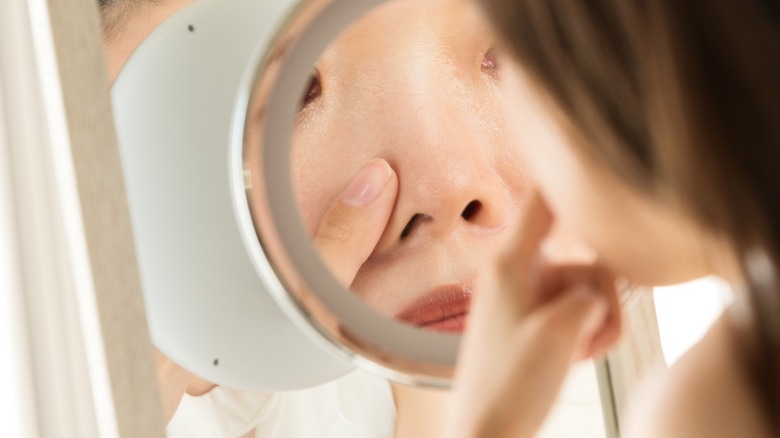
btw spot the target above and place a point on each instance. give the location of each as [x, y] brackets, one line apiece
[316, 174]
[327, 151]
[554, 168]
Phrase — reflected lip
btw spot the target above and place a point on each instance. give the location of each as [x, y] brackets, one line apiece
[444, 308]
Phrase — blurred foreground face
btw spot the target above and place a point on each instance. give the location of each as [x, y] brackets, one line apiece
[637, 236]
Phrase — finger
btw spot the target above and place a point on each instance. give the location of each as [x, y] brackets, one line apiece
[535, 222]
[610, 331]
[567, 325]
[517, 269]
[555, 335]
[557, 279]
[352, 226]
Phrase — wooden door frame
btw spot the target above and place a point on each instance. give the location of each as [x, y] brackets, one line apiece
[75, 283]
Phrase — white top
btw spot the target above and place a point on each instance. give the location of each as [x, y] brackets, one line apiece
[356, 405]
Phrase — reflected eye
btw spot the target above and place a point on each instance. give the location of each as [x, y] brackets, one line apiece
[313, 91]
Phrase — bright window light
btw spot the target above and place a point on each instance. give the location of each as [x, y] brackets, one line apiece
[686, 311]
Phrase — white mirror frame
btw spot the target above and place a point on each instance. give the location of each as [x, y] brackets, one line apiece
[178, 109]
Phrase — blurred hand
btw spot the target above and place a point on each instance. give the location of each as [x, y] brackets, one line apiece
[524, 332]
[174, 381]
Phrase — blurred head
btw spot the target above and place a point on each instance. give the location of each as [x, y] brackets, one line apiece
[664, 117]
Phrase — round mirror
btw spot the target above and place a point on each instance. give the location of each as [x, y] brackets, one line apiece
[228, 296]
[243, 123]
[386, 145]
[298, 157]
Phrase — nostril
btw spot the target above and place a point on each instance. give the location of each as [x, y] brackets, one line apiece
[471, 210]
[409, 225]
[468, 213]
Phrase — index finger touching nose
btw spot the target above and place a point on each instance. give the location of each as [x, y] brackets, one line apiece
[352, 226]
[535, 222]
[518, 267]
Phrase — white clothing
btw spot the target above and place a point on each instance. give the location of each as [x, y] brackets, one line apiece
[356, 405]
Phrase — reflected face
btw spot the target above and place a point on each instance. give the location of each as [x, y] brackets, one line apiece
[414, 83]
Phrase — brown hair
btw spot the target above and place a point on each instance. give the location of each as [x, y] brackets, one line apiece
[115, 13]
[679, 97]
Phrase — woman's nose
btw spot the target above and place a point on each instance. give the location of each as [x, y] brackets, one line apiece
[457, 192]
[444, 151]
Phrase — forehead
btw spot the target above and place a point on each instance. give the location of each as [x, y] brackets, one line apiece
[410, 28]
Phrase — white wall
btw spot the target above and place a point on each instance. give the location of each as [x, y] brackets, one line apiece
[16, 409]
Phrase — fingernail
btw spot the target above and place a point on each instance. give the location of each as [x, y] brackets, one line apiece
[369, 182]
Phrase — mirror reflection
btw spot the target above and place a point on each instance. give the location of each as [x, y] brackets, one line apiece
[400, 143]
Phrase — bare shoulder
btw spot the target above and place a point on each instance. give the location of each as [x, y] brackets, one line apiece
[703, 394]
